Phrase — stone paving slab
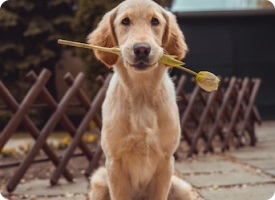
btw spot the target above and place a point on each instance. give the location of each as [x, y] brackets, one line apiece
[43, 188]
[226, 178]
[259, 192]
[261, 163]
[210, 163]
[268, 140]
[62, 198]
[271, 171]
[216, 176]
[253, 153]
[266, 130]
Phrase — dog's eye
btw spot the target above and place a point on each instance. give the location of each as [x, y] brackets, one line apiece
[154, 21]
[126, 21]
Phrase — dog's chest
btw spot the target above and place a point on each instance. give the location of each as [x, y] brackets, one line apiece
[141, 128]
[141, 161]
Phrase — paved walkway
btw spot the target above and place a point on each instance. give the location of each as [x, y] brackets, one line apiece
[244, 174]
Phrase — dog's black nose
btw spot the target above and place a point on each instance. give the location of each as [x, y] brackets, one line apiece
[142, 49]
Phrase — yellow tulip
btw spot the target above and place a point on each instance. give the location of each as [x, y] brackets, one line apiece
[207, 81]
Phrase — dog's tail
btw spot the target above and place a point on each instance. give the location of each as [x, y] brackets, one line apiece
[100, 190]
[180, 190]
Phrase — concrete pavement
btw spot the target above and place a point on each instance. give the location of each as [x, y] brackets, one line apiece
[244, 174]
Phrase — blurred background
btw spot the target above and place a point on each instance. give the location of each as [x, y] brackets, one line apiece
[226, 37]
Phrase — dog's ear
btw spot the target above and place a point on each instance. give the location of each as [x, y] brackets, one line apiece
[173, 39]
[104, 36]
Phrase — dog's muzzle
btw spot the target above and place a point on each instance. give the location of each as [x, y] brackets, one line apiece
[141, 51]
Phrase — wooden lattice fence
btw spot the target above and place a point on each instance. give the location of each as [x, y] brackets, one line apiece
[228, 114]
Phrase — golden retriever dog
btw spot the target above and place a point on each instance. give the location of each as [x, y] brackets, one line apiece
[141, 128]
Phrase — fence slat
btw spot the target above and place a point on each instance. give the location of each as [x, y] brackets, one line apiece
[24, 107]
[247, 123]
[28, 125]
[64, 121]
[95, 106]
[235, 112]
[94, 162]
[204, 116]
[188, 113]
[49, 126]
[221, 111]
[83, 99]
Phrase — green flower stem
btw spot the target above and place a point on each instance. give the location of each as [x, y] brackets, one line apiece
[187, 70]
[89, 46]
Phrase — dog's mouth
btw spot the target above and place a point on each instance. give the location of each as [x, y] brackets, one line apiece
[142, 65]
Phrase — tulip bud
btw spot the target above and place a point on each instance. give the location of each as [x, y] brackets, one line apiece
[207, 81]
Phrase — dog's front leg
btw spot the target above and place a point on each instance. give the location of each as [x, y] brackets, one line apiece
[162, 180]
[118, 182]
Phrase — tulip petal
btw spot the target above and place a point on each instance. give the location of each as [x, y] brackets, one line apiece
[207, 81]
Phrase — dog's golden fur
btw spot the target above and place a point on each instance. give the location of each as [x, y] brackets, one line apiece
[141, 128]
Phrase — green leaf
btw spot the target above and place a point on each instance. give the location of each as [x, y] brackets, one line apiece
[37, 26]
[170, 60]
[47, 54]
[59, 2]
[11, 46]
[7, 19]
[64, 19]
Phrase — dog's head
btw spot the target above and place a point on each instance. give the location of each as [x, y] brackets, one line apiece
[142, 30]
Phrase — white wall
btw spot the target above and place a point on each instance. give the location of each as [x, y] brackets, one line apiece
[206, 5]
